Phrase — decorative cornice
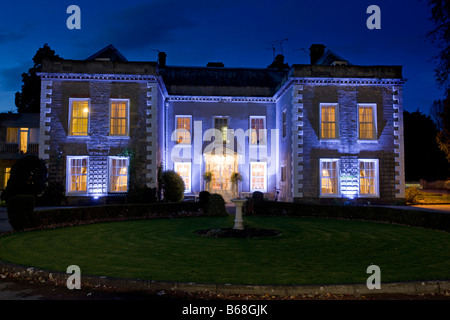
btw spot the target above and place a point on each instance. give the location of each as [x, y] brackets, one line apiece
[348, 81]
[221, 99]
[100, 77]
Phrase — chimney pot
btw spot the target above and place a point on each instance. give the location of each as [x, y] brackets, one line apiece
[316, 51]
[162, 59]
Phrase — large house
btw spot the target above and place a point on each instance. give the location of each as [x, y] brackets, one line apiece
[316, 132]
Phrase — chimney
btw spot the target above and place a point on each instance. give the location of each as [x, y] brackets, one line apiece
[215, 65]
[162, 60]
[316, 52]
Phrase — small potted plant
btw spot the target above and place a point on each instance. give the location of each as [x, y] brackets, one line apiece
[207, 177]
[235, 178]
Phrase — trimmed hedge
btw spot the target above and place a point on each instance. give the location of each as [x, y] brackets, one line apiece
[410, 217]
[20, 211]
[216, 206]
[80, 215]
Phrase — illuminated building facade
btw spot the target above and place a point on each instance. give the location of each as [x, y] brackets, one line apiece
[315, 132]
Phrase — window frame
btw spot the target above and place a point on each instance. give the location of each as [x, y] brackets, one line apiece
[127, 120]
[71, 101]
[228, 128]
[284, 123]
[374, 122]
[336, 115]
[338, 187]
[190, 129]
[265, 176]
[264, 131]
[7, 175]
[110, 159]
[377, 179]
[187, 189]
[68, 175]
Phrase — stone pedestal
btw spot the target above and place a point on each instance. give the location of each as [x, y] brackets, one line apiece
[238, 221]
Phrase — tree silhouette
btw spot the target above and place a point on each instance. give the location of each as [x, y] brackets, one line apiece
[29, 99]
[440, 36]
[28, 177]
[423, 159]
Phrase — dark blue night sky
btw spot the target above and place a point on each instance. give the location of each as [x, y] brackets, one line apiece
[237, 33]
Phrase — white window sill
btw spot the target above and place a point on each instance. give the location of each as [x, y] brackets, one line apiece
[119, 137]
[367, 141]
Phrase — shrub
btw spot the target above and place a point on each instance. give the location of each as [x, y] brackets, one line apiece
[173, 186]
[258, 195]
[117, 212]
[216, 206]
[412, 195]
[20, 211]
[54, 195]
[203, 199]
[142, 195]
[28, 176]
[257, 202]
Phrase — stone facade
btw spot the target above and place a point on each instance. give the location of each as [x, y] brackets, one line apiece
[286, 101]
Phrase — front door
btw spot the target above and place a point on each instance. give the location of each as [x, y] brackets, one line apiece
[221, 176]
[221, 167]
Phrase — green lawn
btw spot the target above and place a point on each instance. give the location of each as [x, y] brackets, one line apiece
[309, 251]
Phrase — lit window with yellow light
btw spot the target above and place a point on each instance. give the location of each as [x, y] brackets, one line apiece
[79, 117]
[119, 117]
[118, 174]
[77, 174]
[7, 176]
[183, 129]
[257, 130]
[368, 177]
[329, 177]
[328, 121]
[367, 121]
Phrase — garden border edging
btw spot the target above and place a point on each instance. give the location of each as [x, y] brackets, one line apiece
[133, 285]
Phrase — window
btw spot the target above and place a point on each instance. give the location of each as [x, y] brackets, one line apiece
[221, 124]
[119, 115]
[367, 121]
[12, 135]
[118, 174]
[79, 117]
[329, 177]
[328, 121]
[258, 176]
[34, 136]
[368, 177]
[283, 174]
[184, 170]
[284, 123]
[22, 138]
[77, 174]
[257, 130]
[183, 127]
[7, 175]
